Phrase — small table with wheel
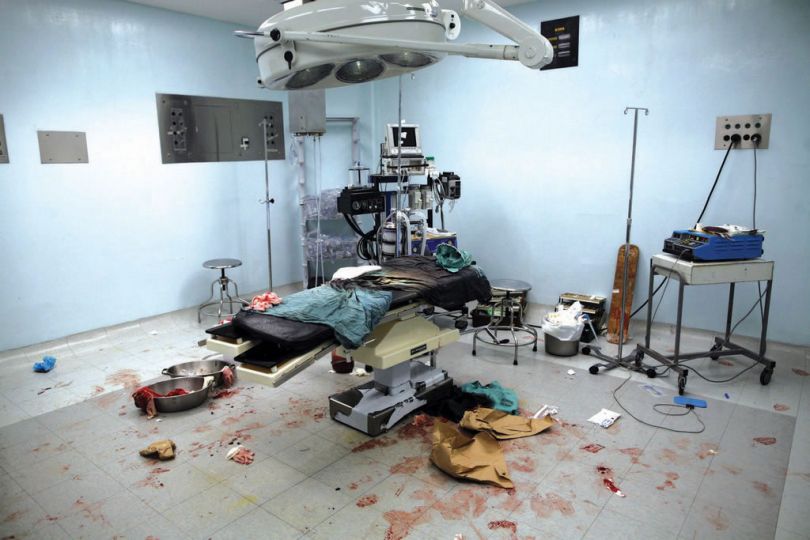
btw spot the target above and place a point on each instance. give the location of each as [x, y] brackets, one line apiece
[709, 273]
[509, 317]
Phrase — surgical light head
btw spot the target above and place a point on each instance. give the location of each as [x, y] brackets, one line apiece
[329, 43]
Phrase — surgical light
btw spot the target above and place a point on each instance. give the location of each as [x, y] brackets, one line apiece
[329, 43]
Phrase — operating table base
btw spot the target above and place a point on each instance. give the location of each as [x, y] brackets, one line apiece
[377, 406]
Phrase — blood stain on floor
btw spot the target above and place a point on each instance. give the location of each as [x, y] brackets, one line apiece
[724, 362]
[781, 407]
[800, 372]
[367, 500]
[670, 455]
[593, 448]
[718, 519]
[523, 464]
[633, 452]
[607, 480]
[400, 522]
[762, 487]
[706, 450]
[767, 441]
[91, 512]
[669, 483]
[409, 465]
[152, 480]
[374, 443]
[732, 469]
[128, 378]
[545, 506]
[502, 524]
[227, 393]
[464, 503]
[356, 484]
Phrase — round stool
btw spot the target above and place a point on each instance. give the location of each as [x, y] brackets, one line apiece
[510, 318]
[224, 282]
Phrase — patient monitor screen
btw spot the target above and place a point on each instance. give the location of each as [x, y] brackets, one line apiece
[407, 138]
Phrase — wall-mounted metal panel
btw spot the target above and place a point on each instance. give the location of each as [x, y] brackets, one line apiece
[748, 127]
[307, 112]
[62, 147]
[204, 129]
[3, 145]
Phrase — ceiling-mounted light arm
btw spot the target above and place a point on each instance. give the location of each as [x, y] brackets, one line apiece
[535, 51]
[471, 50]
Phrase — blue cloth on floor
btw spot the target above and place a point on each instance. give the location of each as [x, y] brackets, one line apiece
[351, 313]
[502, 398]
[47, 364]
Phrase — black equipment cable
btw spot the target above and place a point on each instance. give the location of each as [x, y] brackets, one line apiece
[717, 178]
[655, 408]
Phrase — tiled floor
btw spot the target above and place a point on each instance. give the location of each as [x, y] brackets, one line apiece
[70, 466]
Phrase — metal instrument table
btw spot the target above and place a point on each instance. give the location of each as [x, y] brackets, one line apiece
[709, 273]
[508, 321]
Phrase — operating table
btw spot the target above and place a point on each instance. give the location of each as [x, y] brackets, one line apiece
[402, 349]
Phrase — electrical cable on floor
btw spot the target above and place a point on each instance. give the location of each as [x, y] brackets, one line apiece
[655, 407]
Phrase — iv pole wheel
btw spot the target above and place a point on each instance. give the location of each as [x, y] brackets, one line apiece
[681, 384]
[651, 373]
[594, 369]
[765, 376]
[716, 347]
[586, 351]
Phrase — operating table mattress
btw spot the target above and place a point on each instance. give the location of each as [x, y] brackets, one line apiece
[435, 286]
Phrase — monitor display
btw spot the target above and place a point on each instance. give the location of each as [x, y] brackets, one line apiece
[408, 139]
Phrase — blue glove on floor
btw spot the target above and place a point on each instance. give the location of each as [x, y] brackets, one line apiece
[47, 364]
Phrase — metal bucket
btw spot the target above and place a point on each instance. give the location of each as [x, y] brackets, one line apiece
[558, 347]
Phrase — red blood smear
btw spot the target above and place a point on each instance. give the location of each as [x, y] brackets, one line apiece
[781, 407]
[225, 394]
[373, 443]
[593, 448]
[177, 392]
[612, 487]
[502, 524]
[800, 372]
[367, 500]
[767, 441]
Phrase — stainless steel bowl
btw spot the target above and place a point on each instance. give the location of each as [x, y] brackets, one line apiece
[198, 389]
[200, 368]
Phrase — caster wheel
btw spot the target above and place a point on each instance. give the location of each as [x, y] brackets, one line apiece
[765, 376]
[473, 353]
[593, 370]
[681, 384]
[651, 373]
[714, 356]
[534, 349]
[715, 348]
[369, 369]
[461, 324]
[586, 351]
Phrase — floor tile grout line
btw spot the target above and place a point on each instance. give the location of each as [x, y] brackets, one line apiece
[711, 461]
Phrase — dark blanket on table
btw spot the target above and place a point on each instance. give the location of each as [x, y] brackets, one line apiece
[407, 277]
[421, 275]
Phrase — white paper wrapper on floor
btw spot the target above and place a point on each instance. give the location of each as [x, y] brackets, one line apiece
[604, 418]
[565, 324]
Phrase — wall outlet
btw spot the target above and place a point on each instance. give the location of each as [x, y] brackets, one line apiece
[746, 126]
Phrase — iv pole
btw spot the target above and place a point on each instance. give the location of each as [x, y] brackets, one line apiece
[267, 201]
[632, 361]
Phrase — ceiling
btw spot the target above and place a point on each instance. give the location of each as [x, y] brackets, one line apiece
[252, 13]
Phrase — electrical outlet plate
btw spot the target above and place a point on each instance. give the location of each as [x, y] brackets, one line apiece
[62, 147]
[3, 146]
[746, 126]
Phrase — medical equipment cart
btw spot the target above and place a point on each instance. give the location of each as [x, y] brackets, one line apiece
[709, 273]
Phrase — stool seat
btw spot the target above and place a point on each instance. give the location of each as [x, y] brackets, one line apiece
[510, 285]
[221, 264]
[509, 318]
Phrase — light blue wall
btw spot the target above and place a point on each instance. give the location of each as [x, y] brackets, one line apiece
[545, 157]
[84, 246]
